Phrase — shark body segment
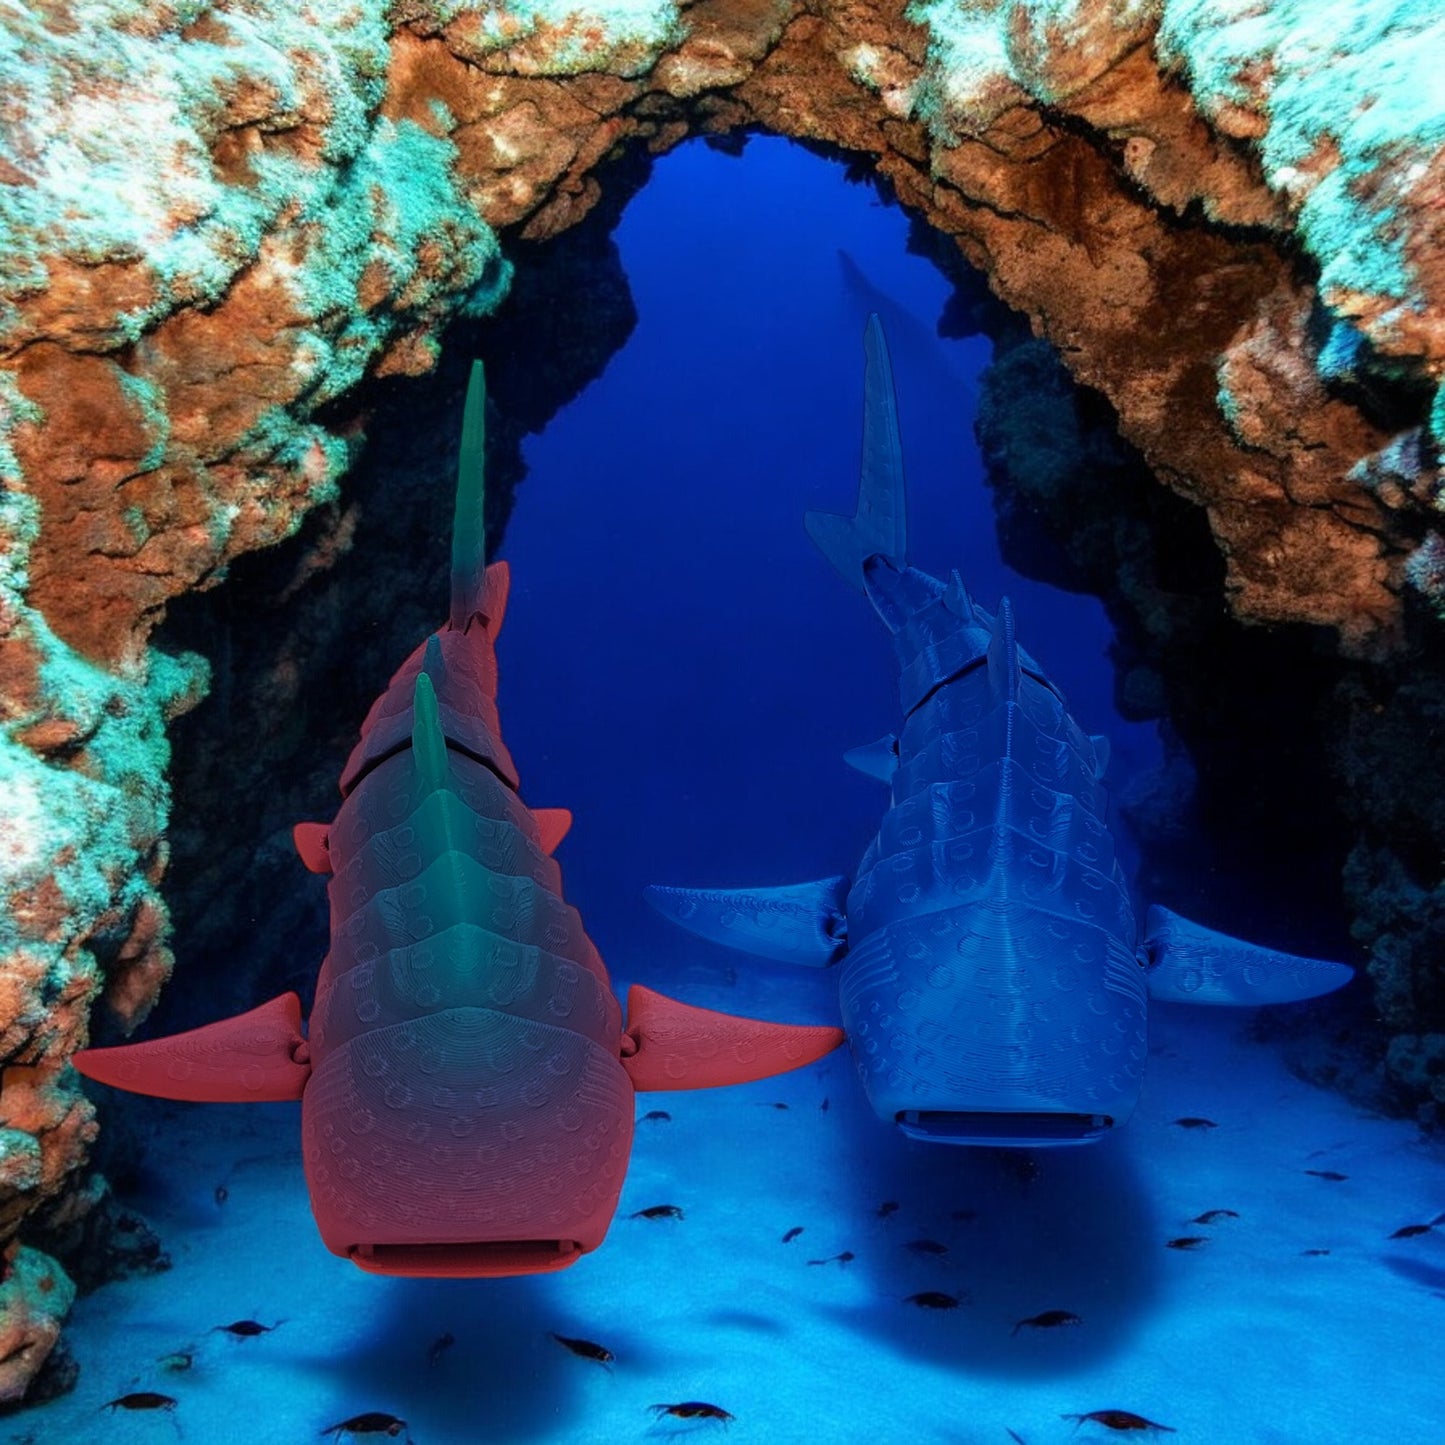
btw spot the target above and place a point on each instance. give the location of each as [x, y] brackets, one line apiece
[467, 1080]
[991, 979]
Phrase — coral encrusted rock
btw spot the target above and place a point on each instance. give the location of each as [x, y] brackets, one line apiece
[216, 219]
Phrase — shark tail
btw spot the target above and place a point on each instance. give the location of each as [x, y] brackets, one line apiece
[879, 524]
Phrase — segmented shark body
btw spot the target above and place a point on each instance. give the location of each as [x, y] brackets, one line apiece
[467, 1082]
[990, 977]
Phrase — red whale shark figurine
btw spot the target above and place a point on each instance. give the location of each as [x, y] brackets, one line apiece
[466, 1082]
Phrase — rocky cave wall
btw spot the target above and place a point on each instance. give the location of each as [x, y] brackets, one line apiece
[216, 219]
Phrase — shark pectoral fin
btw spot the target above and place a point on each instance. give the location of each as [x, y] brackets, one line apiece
[1189, 963]
[552, 826]
[799, 923]
[678, 1046]
[312, 846]
[257, 1057]
[875, 760]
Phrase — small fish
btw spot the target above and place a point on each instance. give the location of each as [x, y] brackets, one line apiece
[847, 1257]
[1015, 1436]
[585, 1349]
[177, 1362]
[772, 1106]
[1334, 1176]
[926, 1246]
[1410, 1231]
[221, 1195]
[693, 1410]
[246, 1329]
[141, 1400]
[439, 1347]
[369, 1422]
[966, 1216]
[659, 1211]
[1049, 1320]
[932, 1299]
[1187, 1241]
[889, 1206]
[1119, 1420]
[824, 1106]
[792, 1234]
[657, 1116]
[1213, 1216]
[1191, 1122]
[1315, 1253]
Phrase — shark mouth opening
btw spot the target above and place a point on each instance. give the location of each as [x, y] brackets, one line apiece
[493, 1259]
[1019, 1130]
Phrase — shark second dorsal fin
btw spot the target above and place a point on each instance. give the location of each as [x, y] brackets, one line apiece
[256, 1057]
[1004, 675]
[878, 526]
[799, 923]
[428, 742]
[1189, 963]
[678, 1046]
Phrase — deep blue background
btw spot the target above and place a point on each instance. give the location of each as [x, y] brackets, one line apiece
[679, 665]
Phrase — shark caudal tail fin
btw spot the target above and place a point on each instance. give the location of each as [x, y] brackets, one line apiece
[469, 530]
[798, 923]
[678, 1046]
[255, 1058]
[1189, 963]
[878, 526]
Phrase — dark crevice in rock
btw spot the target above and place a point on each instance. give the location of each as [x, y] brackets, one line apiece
[302, 637]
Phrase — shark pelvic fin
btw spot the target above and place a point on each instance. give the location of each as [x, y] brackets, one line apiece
[552, 826]
[1102, 753]
[256, 1057]
[799, 923]
[875, 760]
[878, 527]
[678, 1046]
[469, 531]
[1189, 963]
[312, 846]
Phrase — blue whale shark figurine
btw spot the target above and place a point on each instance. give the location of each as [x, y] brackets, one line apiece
[992, 984]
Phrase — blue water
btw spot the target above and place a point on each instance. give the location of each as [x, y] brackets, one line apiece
[679, 664]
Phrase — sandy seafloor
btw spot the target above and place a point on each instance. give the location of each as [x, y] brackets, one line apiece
[681, 669]
[1245, 1339]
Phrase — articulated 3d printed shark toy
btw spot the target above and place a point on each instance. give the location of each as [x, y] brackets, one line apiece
[991, 982]
[466, 1084]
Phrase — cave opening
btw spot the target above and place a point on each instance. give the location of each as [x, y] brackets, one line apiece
[678, 378]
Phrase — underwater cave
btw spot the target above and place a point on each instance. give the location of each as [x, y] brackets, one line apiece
[674, 379]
